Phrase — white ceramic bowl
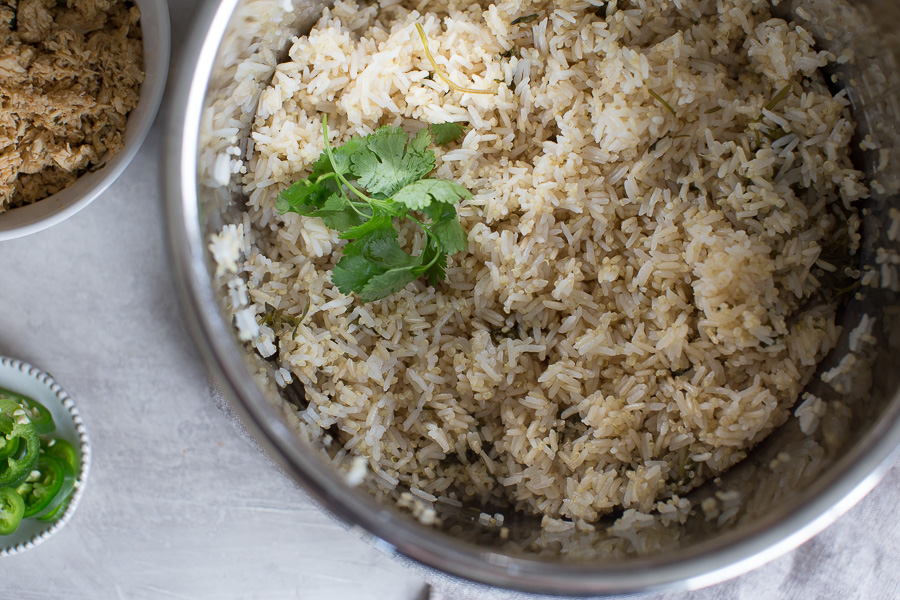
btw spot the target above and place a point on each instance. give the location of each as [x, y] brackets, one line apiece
[32, 218]
[25, 379]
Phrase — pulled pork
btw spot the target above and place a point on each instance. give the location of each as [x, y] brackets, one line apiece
[70, 73]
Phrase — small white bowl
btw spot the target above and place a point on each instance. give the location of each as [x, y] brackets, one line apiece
[27, 380]
[24, 220]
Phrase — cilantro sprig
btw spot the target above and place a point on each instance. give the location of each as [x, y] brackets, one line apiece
[362, 187]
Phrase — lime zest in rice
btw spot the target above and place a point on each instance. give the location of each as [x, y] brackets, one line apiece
[772, 134]
[276, 319]
[525, 19]
[440, 72]
[665, 104]
[781, 95]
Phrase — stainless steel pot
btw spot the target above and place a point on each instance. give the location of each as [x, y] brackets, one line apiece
[202, 197]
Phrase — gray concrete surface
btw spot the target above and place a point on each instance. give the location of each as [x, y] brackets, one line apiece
[179, 506]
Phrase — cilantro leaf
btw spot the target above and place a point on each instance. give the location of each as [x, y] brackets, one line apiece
[445, 226]
[419, 145]
[378, 221]
[282, 206]
[384, 164]
[437, 271]
[316, 200]
[387, 283]
[353, 272]
[421, 193]
[451, 235]
[342, 159]
[383, 250]
[302, 198]
[439, 211]
[434, 266]
[376, 236]
[444, 133]
[338, 214]
[360, 188]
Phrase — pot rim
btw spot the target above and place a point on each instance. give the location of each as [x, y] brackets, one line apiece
[733, 553]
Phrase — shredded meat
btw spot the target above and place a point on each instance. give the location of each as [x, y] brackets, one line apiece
[70, 73]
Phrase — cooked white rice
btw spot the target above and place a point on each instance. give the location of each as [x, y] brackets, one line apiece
[635, 309]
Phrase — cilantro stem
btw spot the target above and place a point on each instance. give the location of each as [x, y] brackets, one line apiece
[340, 175]
[431, 235]
[351, 203]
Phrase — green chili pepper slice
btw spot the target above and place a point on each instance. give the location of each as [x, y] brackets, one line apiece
[12, 510]
[37, 413]
[63, 450]
[66, 453]
[65, 491]
[8, 445]
[47, 485]
[16, 467]
[59, 511]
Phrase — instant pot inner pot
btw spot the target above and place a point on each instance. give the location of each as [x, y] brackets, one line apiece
[778, 476]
